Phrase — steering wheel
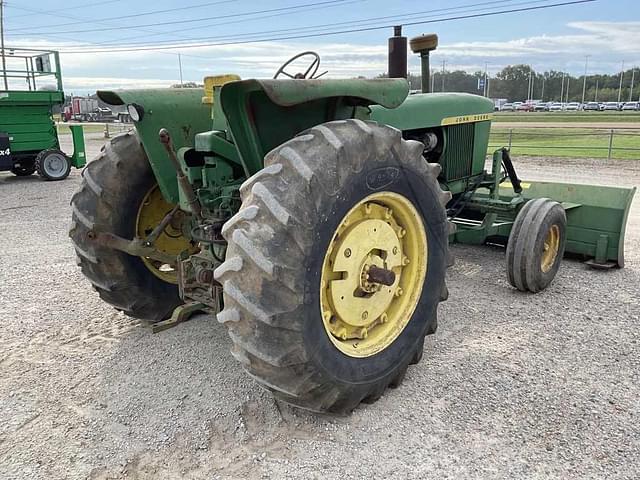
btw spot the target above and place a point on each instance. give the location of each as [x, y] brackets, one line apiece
[309, 73]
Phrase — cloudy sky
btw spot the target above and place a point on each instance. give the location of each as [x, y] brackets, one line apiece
[127, 44]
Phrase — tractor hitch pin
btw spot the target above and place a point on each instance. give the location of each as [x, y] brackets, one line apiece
[192, 200]
[381, 276]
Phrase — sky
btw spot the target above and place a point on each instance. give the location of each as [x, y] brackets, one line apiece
[559, 38]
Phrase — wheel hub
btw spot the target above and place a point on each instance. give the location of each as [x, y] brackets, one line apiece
[550, 248]
[368, 267]
[172, 241]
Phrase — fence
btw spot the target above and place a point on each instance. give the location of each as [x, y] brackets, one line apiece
[623, 143]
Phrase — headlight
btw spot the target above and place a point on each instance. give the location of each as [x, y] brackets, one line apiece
[135, 111]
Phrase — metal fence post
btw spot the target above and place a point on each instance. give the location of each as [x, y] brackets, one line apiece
[610, 144]
[510, 137]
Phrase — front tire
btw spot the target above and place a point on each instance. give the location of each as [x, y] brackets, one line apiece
[284, 246]
[536, 245]
[114, 187]
[24, 170]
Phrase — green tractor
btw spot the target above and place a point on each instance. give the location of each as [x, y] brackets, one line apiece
[28, 136]
[313, 217]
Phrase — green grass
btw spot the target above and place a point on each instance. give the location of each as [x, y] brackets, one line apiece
[617, 117]
[570, 142]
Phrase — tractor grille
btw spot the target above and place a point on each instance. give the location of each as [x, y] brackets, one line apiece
[458, 155]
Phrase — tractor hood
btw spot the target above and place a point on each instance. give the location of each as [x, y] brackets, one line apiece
[434, 109]
[387, 92]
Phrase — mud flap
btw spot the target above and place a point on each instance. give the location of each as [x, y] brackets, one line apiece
[596, 217]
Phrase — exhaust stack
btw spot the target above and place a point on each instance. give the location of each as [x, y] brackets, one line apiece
[423, 45]
[397, 54]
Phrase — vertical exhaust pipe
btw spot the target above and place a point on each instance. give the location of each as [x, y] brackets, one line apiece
[397, 54]
[423, 45]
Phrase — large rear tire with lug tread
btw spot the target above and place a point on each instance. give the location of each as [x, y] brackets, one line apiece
[536, 245]
[335, 265]
[115, 186]
[53, 165]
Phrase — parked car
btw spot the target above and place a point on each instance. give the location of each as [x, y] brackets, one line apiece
[524, 107]
[634, 106]
[541, 107]
[572, 107]
[591, 107]
[556, 107]
[507, 107]
[611, 106]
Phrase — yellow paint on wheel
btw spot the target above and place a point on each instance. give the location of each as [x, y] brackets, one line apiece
[360, 317]
[150, 213]
[550, 248]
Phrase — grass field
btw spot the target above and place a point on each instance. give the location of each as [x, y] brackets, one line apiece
[557, 142]
[600, 117]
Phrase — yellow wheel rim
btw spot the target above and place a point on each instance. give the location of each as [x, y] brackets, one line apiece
[151, 212]
[550, 248]
[363, 318]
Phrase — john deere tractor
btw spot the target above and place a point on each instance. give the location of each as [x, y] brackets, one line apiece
[313, 218]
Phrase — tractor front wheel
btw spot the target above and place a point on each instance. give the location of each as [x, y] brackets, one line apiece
[536, 245]
[335, 265]
[119, 195]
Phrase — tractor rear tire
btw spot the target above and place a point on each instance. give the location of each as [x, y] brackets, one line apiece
[53, 165]
[113, 188]
[536, 245]
[284, 234]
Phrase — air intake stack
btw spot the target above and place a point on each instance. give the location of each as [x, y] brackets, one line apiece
[423, 45]
[397, 54]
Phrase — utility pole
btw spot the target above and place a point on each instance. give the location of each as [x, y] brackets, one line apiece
[544, 78]
[529, 86]
[433, 82]
[620, 87]
[596, 99]
[633, 77]
[4, 60]
[486, 65]
[568, 80]
[180, 66]
[444, 62]
[584, 82]
[562, 89]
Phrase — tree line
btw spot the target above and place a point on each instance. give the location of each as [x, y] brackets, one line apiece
[520, 83]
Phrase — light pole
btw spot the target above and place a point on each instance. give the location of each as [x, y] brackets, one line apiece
[584, 82]
[4, 61]
[562, 89]
[486, 66]
[633, 77]
[180, 66]
[444, 62]
[620, 87]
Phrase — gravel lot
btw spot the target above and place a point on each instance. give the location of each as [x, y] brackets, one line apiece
[512, 385]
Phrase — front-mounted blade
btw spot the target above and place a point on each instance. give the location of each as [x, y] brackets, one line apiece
[596, 217]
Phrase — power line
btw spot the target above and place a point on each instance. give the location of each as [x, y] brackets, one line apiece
[179, 22]
[338, 32]
[326, 26]
[46, 12]
[120, 17]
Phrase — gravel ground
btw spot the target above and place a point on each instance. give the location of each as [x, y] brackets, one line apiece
[512, 385]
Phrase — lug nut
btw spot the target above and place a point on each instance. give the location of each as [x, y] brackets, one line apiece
[399, 292]
[365, 315]
[347, 252]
